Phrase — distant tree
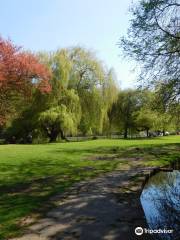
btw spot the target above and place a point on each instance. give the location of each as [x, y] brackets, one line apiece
[124, 109]
[175, 113]
[146, 116]
[146, 120]
[162, 106]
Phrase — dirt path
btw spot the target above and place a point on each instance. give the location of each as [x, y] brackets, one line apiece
[105, 208]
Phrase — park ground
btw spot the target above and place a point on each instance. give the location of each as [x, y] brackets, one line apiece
[32, 175]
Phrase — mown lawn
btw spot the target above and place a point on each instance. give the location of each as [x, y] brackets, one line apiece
[30, 174]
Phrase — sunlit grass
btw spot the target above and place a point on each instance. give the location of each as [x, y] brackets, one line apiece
[30, 174]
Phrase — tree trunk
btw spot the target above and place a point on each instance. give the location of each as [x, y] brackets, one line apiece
[164, 132]
[147, 132]
[53, 136]
[125, 133]
[63, 136]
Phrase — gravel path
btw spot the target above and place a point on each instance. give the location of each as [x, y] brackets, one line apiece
[105, 208]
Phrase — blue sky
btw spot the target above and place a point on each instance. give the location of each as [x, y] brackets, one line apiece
[51, 24]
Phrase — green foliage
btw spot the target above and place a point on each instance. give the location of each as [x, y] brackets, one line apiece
[60, 66]
[175, 114]
[124, 109]
[146, 120]
[25, 124]
[87, 71]
[79, 70]
[153, 40]
[85, 99]
[91, 103]
[64, 118]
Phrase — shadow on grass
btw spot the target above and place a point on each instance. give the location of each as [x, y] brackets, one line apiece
[134, 148]
[149, 155]
[25, 188]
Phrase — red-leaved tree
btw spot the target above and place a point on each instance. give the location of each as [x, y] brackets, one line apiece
[20, 71]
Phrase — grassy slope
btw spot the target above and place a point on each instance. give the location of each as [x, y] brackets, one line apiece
[30, 174]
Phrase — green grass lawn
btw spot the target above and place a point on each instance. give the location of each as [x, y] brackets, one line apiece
[30, 174]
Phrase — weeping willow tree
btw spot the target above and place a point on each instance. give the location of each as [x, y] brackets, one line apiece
[79, 70]
[62, 119]
[95, 86]
[87, 71]
[63, 113]
[110, 92]
[60, 66]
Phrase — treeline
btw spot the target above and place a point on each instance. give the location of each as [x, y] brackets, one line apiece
[151, 112]
[70, 92]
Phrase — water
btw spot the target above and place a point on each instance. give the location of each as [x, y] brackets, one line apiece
[160, 200]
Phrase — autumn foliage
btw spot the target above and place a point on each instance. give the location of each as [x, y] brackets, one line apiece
[19, 72]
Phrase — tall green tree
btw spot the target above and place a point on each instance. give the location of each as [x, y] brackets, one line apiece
[123, 110]
[96, 88]
[146, 120]
[110, 94]
[162, 106]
